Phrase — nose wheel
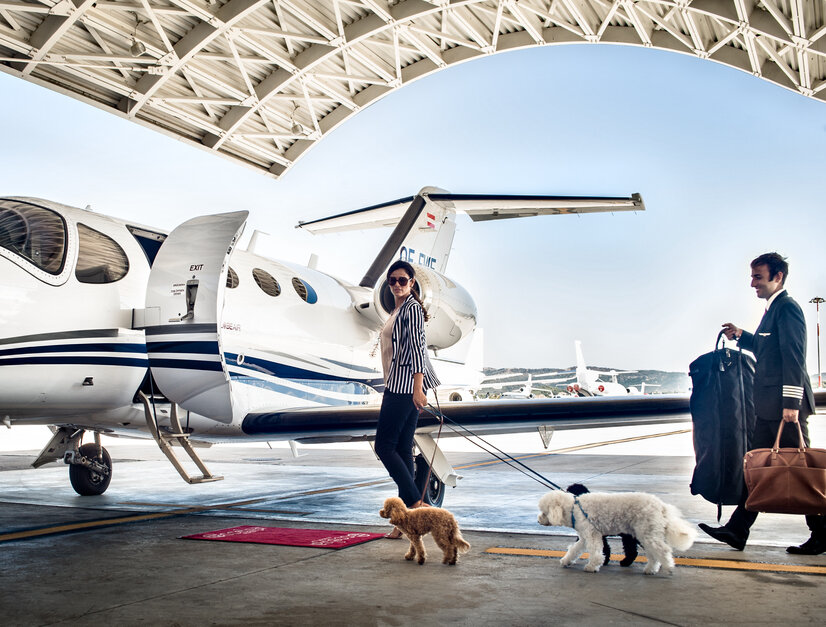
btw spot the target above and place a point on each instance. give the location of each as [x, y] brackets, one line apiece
[91, 471]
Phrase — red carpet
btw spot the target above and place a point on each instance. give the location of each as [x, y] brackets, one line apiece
[320, 538]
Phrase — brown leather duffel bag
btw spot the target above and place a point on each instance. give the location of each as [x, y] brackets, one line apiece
[786, 480]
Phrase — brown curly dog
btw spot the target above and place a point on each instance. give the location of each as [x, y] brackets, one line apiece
[416, 523]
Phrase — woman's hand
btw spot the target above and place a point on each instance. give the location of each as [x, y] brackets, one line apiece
[419, 399]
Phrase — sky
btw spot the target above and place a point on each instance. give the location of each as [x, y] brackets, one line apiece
[729, 167]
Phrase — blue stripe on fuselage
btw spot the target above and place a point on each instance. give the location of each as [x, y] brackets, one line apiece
[355, 388]
[200, 348]
[76, 348]
[75, 361]
[290, 372]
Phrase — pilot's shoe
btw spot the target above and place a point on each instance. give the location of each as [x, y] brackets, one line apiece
[813, 546]
[724, 534]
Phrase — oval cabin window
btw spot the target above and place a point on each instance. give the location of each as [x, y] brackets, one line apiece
[100, 259]
[232, 278]
[266, 282]
[305, 291]
[37, 235]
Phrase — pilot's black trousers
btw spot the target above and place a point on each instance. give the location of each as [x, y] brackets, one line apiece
[394, 442]
[765, 433]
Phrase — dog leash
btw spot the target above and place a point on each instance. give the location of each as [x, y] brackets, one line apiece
[504, 458]
[435, 448]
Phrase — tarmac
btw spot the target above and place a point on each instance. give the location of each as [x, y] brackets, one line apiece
[118, 559]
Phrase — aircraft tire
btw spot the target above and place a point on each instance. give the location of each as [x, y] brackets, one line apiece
[435, 493]
[85, 481]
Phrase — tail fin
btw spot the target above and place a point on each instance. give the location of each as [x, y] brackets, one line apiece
[678, 532]
[581, 368]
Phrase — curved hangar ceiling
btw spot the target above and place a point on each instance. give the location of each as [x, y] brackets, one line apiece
[260, 81]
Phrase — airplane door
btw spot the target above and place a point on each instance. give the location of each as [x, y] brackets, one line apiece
[184, 304]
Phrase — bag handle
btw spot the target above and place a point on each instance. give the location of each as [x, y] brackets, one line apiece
[783, 423]
[717, 343]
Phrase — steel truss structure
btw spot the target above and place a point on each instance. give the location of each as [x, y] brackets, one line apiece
[261, 81]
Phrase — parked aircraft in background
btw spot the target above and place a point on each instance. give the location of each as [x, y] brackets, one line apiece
[109, 326]
[590, 383]
[526, 387]
[525, 391]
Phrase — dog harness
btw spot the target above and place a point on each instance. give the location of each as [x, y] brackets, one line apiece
[584, 513]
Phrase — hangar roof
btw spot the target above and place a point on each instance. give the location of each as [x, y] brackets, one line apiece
[261, 81]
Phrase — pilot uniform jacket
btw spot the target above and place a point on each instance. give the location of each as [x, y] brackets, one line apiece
[409, 351]
[779, 344]
[780, 382]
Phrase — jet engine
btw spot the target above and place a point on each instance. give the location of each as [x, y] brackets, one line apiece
[451, 309]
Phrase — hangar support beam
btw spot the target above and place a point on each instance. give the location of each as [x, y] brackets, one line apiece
[261, 81]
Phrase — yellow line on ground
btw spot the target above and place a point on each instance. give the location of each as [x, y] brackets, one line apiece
[696, 562]
[580, 447]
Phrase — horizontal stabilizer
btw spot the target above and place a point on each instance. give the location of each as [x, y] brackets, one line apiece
[383, 215]
[479, 207]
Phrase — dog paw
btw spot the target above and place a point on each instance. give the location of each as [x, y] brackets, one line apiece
[564, 563]
[648, 570]
[421, 561]
[409, 557]
[591, 568]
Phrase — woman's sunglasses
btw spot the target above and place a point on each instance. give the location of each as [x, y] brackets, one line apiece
[402, 280]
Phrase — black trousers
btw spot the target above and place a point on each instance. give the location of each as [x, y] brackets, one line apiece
[765, 433]
[394, 442]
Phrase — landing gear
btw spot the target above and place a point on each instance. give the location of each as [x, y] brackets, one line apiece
[435, 492]
[90, 467]
[91, 470]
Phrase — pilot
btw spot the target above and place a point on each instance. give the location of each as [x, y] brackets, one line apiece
[408, 375]
[782, 390]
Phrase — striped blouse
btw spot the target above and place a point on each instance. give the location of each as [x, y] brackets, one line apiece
[409, 351]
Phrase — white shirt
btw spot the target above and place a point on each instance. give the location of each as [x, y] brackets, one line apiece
[386, 338]
[773, 296]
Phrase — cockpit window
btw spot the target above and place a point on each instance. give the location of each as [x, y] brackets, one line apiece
[100, 259]
[36, 234]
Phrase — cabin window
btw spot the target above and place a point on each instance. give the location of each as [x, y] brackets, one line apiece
[266, 282]
[37, 235]
[305, 291]
[100, 259]
[150, 241]
[232, 278]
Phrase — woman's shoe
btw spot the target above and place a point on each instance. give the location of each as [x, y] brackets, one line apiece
[396, 534]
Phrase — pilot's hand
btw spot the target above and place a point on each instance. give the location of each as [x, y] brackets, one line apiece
[732, 332]
[790, 415]
[419, 399]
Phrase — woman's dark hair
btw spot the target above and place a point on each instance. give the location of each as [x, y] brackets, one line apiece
[411, 273]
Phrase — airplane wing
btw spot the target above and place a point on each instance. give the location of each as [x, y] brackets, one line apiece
[479, 207]
[355, 423]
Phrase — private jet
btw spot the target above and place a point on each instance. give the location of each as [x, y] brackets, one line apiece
[114, 327]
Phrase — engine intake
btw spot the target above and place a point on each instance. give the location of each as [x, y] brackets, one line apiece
[450, 307]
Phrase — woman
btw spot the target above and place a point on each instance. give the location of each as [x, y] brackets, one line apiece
[407, 377]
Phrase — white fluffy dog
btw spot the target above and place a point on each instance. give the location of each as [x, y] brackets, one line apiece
[657, 525]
